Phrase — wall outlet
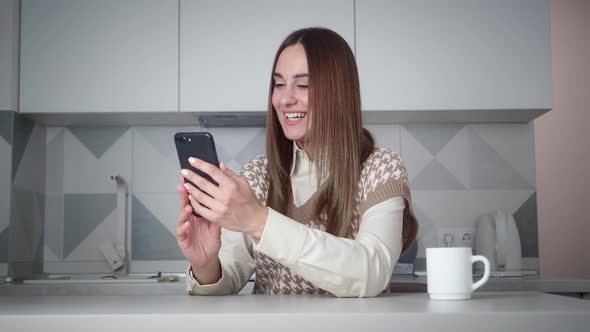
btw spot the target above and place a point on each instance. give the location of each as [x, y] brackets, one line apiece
[454, 237]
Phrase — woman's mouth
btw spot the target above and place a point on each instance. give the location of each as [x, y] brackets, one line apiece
[294, 117]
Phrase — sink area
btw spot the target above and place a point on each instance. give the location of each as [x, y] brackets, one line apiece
[95, 285]
[102, 280]
[94, 278]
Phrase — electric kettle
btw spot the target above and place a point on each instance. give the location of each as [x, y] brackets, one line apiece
[497, 238]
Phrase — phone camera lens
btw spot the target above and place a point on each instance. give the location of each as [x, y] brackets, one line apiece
[182, 139]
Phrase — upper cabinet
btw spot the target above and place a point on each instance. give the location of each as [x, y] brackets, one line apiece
[99, 56]
[9, 21]
[454, 55]
[227, 47]
[424, 61]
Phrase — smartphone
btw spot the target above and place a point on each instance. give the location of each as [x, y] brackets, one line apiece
[199, 145]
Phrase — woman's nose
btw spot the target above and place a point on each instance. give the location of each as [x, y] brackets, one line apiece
[288, 97]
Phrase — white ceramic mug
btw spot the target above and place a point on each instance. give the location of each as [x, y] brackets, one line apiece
[449, 273]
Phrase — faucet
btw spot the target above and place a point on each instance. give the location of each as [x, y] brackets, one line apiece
[117, 254]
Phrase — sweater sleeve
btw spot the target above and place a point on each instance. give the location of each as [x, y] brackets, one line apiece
[236, 253]
[359, 267]
[237, 266]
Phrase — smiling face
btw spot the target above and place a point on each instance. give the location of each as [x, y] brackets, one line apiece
[290, 93]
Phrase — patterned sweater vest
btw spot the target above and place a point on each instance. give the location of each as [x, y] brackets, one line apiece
[383, 176]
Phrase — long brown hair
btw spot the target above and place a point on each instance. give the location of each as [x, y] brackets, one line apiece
[334, 136]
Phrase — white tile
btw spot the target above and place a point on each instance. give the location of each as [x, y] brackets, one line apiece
[428, 240]
[27, 224]
[161, 139]
[52, 132]
[165, 207]
[489, 170]
[151, 239]
[433, 136]
[462, 208]
[154, 172]
[414, 155]
[425, 221]
[49, 255]
[515, 142]
[83, 173]
[454, 156]
[386, 136]
[89, 248]
[238, 144]
[54, 222]
[5, 182]
[435, 176]
[54, 164]
[30, 174]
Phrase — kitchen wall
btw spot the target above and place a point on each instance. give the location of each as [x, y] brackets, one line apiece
[457, 172]
[561, 141]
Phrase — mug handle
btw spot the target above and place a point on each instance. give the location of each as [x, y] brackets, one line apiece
[486, 272]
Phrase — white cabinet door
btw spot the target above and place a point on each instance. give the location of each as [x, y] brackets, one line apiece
[9, 19]
[227, 47]
[99, 56]
[454, 54]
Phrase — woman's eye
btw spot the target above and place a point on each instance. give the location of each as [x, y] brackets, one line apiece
[302, 86]
[279, 85]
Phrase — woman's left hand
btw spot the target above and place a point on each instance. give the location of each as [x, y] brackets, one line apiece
[232, 204]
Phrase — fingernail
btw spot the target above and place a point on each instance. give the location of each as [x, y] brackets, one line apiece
[192, 160]
[186, 186]
[184, 172]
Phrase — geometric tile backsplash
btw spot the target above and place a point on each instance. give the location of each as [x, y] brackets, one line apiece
[22, 195]
[82, 196]
[457, 172]
[5, 186]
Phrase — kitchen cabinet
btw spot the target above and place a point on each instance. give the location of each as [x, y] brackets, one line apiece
[9, 22]
[454, 55]
[419, 61]
[99, 56]
[227, 47]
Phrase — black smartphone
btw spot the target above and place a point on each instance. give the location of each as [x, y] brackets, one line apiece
[199, 145]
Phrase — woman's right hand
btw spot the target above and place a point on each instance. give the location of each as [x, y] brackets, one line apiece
[199, 240]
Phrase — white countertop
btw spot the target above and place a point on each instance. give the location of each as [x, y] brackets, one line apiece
[499, 311]
[401, 284]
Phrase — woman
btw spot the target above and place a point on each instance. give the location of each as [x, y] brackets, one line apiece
[322, 211]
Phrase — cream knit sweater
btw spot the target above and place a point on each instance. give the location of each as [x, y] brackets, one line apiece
[295, 255]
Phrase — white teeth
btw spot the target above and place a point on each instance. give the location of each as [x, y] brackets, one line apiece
[292, 116]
